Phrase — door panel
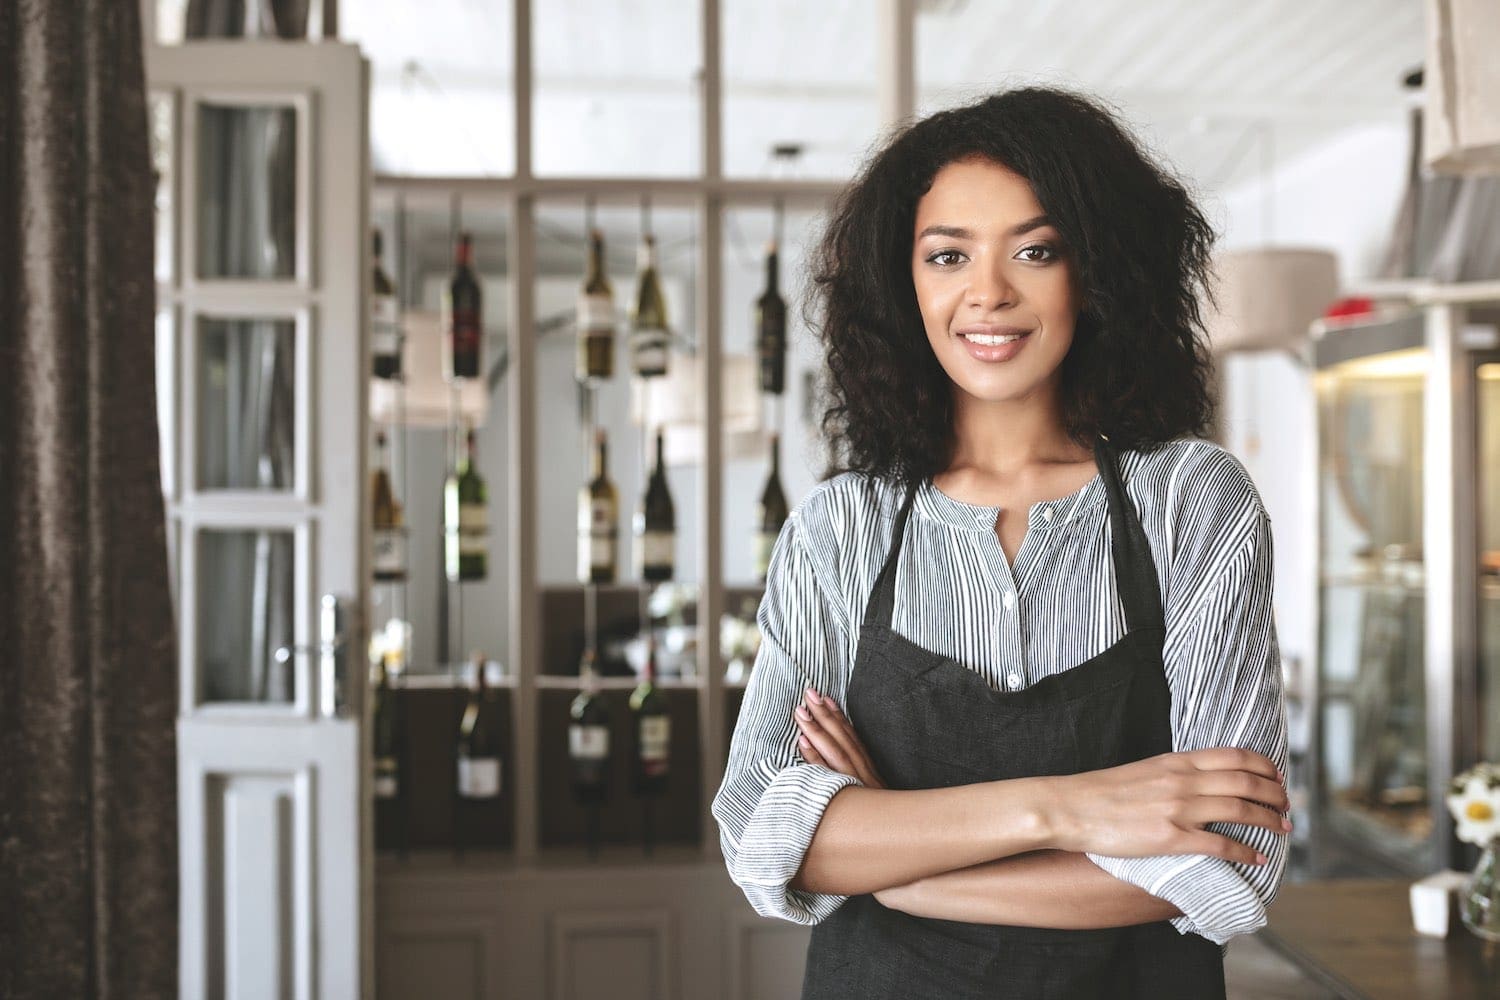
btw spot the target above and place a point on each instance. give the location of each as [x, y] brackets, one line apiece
[260, 149]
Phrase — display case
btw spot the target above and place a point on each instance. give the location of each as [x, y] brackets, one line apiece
[1406, 658]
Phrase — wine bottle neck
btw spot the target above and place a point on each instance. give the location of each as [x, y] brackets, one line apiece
[661, 465]
[463, 254]
[775, 454]
[772, 267]
[599, 459]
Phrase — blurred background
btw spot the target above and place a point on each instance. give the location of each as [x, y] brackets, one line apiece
[485, 378]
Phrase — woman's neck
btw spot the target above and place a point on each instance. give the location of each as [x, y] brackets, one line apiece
[1010, 439]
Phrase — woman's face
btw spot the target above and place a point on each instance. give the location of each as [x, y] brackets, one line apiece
[996, 290]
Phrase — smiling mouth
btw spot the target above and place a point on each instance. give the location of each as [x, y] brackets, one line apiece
[993, 340]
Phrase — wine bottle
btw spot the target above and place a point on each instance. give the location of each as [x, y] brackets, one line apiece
[386, 736]
[656, 525]
[385, 323]
[772, 512]
[650, 336]
[462, 315]
[588, 736]
[598, 515]
[465, 519]
[770, 327]
[596, 317]
[653, 728]
[388, 561]
[479, 740]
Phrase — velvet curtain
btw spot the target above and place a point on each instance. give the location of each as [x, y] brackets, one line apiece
[88, 822]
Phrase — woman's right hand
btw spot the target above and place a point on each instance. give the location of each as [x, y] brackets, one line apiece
[1160, 805]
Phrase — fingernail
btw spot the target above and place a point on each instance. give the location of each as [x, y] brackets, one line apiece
[1286, 825]
[803, 713]
[833, 704]
[814, 697]
[1260, 858]
[803, 742]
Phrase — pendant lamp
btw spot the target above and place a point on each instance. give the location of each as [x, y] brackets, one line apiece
[1462, 81]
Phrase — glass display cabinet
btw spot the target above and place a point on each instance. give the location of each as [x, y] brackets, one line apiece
[1408, 552]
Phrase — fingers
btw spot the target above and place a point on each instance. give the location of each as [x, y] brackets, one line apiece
[1240, 784]
[1234, 759]
[1218, 846]
[835, 739]
[810, 753]
[1220, 809]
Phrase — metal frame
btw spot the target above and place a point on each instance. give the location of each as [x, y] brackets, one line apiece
[710, 193]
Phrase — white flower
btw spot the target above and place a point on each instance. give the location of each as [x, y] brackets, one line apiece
[1474, 802]
[731, 635]
[670, 598]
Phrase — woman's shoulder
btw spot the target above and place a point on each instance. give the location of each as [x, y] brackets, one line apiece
[1193, 480]
[846, 513]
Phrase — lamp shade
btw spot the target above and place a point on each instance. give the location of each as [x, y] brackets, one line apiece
[427, 393]
[1461, 84]
[675, 403]
[1268, 296]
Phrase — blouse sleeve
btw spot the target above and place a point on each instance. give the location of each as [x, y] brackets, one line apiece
[770, 802]
[1223, 667]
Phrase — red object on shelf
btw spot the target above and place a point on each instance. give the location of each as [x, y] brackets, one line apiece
[1350, 308]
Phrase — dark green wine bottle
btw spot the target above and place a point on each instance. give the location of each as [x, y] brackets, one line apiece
[653, 729]
[656, 525]
[772, 512]
[465, 519]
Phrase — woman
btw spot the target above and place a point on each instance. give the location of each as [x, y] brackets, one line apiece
[1016, 726]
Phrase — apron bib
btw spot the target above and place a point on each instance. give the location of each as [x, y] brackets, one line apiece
[928, 721]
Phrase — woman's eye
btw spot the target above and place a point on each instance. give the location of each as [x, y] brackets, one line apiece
[1040, 248]
[944, 258]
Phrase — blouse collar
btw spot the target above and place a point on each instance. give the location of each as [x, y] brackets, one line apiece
[936, 505]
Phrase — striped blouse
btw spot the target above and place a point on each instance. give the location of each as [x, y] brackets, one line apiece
[958, 595]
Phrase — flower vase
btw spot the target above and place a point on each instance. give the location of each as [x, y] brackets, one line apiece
[1480, 903]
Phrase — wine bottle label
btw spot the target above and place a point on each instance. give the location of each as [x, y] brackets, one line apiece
[385, 777]
[588, 742]
[479, 777]
[654, 548]
[596, 314]
[656, 734]
[473, 529]
[648, 350]
[389, 560]
[384, 324]
[765, 541]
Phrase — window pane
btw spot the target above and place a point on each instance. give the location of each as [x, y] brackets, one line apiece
[442, 93]
[245, 613]
[247, 192]
[819, 93]
[247, 404]
[616, 89]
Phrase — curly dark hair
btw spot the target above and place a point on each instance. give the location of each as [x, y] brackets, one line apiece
[1138, 370]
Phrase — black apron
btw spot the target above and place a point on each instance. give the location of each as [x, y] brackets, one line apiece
[929, 721]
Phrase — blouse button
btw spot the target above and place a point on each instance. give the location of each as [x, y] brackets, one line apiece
[1009, 600]
[1014, 680]
[1046, 513]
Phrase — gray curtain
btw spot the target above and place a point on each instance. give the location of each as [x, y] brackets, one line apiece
[88, 811]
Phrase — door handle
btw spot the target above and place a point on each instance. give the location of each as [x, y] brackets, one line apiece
[332, 650]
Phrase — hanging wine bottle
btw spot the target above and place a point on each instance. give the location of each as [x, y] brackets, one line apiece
[596, 317]
[656, 525]
[653, 728]
[479, 740]
[598, 517]
[385, 322]
[388, 561]
[462, 315]
[386, 736]
[465, 519]
[588, 736]
[770, 326]
[772, 512]
[650, 336]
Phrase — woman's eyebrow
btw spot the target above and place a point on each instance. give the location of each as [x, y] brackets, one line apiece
[960, 233]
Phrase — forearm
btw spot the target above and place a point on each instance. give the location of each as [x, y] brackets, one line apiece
[875, 838]
[1047, 888]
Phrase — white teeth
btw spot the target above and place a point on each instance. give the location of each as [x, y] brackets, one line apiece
[989, 341]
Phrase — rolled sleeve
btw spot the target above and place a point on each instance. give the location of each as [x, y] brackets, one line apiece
[1223, 666]
[770, 802]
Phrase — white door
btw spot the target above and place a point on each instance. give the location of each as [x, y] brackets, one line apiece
[261, 151]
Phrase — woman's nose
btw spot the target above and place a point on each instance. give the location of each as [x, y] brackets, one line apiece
[989, 289]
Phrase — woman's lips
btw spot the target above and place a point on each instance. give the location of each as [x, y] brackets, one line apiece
[994, 352]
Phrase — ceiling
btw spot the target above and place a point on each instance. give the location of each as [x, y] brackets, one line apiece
[1205, 81]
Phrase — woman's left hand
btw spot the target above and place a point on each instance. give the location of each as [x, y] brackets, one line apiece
[830, 741]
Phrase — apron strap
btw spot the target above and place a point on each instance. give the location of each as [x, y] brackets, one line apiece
[1135, 570]
[883, 597]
